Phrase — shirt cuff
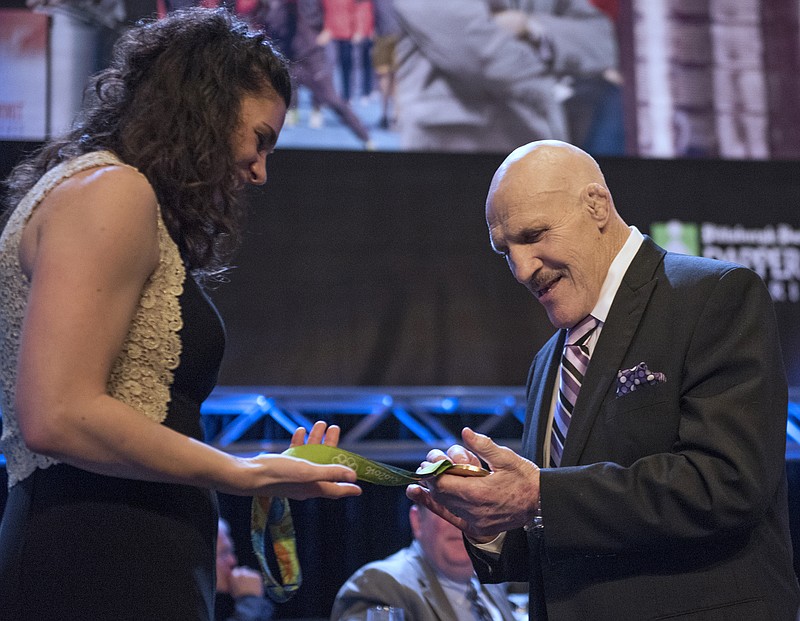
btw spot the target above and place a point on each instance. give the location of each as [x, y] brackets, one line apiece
[495, 546]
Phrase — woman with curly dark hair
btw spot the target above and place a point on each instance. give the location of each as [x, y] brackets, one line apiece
[108, 345]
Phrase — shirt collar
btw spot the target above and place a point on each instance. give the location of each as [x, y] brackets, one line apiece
[616, 272]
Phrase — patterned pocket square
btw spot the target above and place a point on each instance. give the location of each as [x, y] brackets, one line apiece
[637, 377]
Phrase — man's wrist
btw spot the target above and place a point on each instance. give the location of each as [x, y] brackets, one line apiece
[537, 523]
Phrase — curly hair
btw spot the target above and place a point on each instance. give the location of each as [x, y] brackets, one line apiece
[169, 104]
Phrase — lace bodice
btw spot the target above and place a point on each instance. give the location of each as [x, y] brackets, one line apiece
[143, 372]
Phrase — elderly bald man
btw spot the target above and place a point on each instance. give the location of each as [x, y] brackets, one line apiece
[652, 480]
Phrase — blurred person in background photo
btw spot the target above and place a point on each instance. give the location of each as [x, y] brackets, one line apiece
[296, 28]
[384, 62]
[349, 26]
[240, 590]
[108, 342]
[432, 579]
[489, 75]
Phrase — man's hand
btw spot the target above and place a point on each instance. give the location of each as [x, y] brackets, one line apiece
[520, 25]
[482, 507]
[323, 38]
[246, 581]
[512, 21]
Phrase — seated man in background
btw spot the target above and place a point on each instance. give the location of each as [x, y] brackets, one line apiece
[240, 590]
[430, 579]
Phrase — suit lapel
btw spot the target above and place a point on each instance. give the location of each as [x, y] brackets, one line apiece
[615, 339]
[431, 591]
[438, 602]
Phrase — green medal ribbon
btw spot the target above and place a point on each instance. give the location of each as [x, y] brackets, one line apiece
[274, 515]
[366, 469]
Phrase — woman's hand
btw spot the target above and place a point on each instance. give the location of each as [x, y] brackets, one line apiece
[299, 479]
[320, 434]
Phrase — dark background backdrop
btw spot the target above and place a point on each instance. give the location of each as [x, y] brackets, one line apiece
[376, 269]
[372, 269]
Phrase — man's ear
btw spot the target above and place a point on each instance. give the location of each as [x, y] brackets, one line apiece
[597, 199]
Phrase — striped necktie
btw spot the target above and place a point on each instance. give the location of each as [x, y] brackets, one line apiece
[479, 609]
[574, 362]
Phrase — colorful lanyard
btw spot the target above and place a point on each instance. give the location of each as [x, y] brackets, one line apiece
[274, 516]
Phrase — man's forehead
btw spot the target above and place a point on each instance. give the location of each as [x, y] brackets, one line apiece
[527, 204]
[508, 225]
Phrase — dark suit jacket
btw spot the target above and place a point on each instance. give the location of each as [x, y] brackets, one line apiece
[245, 608]
[671, 500]
[404, 580]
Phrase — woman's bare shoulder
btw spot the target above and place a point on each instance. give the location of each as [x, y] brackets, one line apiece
[124, 184]
[111, 209]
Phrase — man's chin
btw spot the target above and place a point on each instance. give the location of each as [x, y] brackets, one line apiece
[559, 320]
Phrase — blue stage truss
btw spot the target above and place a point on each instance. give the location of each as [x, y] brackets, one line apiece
[397, 425]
